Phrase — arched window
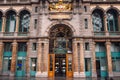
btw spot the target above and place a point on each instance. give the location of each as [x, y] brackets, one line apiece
[112, 20]
[24, 21]
[97, 20]
[10, 21]
[0, 21]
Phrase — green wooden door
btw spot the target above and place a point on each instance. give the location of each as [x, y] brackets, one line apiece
[33, 66]
[20, 67]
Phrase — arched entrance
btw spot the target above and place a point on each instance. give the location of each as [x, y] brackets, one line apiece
[60, 51]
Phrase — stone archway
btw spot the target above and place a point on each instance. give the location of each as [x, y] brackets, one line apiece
[60, 49]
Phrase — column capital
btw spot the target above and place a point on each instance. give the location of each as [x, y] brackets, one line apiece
[14, 42]
[108, 43]
[93, 42]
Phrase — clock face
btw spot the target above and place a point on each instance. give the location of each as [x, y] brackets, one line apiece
[97, 22]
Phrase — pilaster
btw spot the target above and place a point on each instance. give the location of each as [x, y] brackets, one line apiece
[109, 59]
[1, 55]
[3, 23]
[39, 58]
[14, 55]
[94, 74]
[27, 59]
[82, 62]
[17, 23]
[75, 59]
[105, 25]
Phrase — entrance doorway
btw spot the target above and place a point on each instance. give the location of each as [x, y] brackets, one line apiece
[98, 68]
[60, 65]
[60, 51]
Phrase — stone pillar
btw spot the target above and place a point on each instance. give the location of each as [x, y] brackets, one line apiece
[94, 74]
[39, 50]
[3, 23]
[82, 62]
[1, 55]
[14, 55]
[75, 59]
[109, 59]
[45, 58]
[17, 24]
[119, 22]
[27, 59]
[105, 25]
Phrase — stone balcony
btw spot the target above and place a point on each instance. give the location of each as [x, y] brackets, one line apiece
[106, 34]
[13, 34]
[14, 1]
[101, 0]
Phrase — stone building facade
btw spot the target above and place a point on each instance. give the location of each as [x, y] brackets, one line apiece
[50, 38]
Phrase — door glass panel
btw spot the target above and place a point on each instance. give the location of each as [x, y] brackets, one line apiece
[51, 63]
[70, 64]
[60, 65]
[21, 63]
[33, 64]
[6, 63]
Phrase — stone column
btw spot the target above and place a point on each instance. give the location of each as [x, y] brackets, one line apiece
[109, 60]
[94, 74]
[39, 45]
[105, 25]
[3, 23]
[75, 59]
[17, 24]
[14, 55]
[119, 22]
[1, 55]
[27, 59]
[82, 62]
[45, 58]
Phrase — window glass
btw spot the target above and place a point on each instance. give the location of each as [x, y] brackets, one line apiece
[6, 63]
[87, 46]
[7, 47]
[22, 47]
[24, 21]
[112, 20]
[86, 24]
[0, 22]
[34, 46]
[35, 23]
[97, 22]
[33, 64]
[87, 64]
[11, 22]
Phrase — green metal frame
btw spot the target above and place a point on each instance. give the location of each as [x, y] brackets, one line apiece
[21, 73]
[32, 73]
[115, 57]
[89, 73]
[99, 56]
[10, 17]
[1, 24]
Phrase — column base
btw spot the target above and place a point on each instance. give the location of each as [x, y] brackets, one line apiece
[110, 75]
[76, 74]
[12, 74]
[43, 74]
[82, 74]
[94, 74]
[28, 74]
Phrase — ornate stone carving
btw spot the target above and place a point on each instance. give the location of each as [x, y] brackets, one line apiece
[60, 6]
